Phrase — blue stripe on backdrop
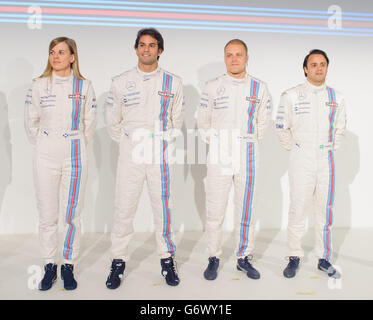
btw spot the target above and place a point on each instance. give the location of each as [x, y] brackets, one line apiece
[204, 6]
[201, 17]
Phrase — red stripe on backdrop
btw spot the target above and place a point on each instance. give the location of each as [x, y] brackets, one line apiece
[185, 16]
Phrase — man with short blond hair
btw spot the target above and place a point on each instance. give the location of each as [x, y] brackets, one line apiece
[239, 106]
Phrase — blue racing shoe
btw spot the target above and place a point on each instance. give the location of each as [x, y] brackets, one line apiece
[169, 271]
[211, 271]
[243, 264]
[50, 277]
[291, 268]
[67, 276]
[326, 266]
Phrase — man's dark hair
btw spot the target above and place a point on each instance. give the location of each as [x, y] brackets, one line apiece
[154, 33]
[314, 51]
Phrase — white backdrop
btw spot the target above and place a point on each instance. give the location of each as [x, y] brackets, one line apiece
[196, 56]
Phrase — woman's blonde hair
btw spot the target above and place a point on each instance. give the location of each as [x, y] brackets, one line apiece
[73, 50]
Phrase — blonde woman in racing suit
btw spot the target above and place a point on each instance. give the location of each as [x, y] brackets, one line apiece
[60, 119]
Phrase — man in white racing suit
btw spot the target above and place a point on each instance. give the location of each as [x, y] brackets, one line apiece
[144, 103]
[310, 123]
[232, 117]
[60, 119]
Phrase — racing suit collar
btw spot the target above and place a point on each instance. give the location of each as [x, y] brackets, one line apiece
[315, 88]
[235, 80]
[58, 79]
[148, 74]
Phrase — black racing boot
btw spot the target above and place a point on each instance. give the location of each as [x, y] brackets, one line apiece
[50, 276]
[291, 268]
[243, 264]
[67, 275]
[169, 271]
[326, 266]
[212, 269]
[116, 273]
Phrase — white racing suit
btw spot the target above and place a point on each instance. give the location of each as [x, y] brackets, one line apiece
[232, 117]
[60, 118]
[310, 123]
[143, 110]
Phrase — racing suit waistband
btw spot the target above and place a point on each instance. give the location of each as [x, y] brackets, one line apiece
[313, 145]
[145, 132]
[250, 137]
[67, 134]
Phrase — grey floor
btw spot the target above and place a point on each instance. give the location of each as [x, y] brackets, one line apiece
[21, 269]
